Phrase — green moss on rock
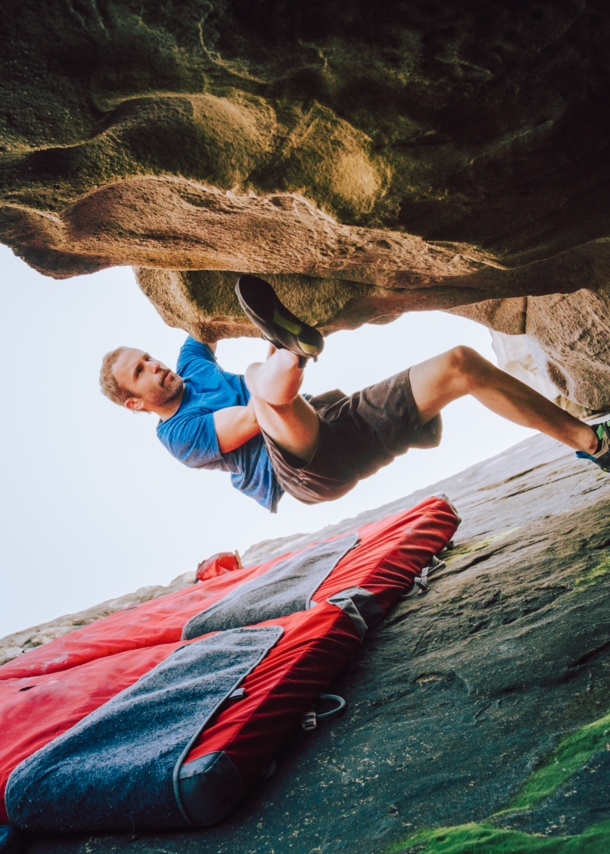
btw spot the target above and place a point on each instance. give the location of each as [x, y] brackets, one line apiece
[486, 839]
[571, 754]
[595, 574]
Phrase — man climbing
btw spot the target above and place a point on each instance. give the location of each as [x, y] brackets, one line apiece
[273, 440]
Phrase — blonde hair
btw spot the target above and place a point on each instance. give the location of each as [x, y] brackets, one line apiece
[108, 382]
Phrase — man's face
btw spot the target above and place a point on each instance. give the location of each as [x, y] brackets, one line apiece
[151, 383]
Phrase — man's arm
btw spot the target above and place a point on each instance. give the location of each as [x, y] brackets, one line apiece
[234, 426]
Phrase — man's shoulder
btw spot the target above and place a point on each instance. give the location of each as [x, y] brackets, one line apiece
[192, 349]
[194, 353]
[190, 434]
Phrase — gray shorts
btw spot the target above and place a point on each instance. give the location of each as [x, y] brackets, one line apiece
[359, 434]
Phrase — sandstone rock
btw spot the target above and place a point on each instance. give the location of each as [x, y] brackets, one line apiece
[568, 337]
[514, 355]
[460, 695]
[428, 118]
[427, 155]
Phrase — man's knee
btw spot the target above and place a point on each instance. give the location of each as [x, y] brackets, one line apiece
[250, 377]
[464, 359]
[465, 363]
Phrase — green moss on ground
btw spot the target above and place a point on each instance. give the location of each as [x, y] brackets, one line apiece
[486, 839]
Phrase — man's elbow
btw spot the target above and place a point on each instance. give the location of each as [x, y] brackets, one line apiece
[233, 429]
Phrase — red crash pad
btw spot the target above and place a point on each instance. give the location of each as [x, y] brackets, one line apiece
[47, 692]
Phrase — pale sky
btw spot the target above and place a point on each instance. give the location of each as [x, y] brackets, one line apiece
[92, 504]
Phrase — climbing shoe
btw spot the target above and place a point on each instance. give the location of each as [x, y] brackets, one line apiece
[279, 326]
[602, 457]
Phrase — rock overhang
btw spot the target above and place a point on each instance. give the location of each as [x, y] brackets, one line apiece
[371, 162]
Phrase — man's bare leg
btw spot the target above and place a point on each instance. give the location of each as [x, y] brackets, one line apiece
[438, 381]
[291, 422]
[280, 410]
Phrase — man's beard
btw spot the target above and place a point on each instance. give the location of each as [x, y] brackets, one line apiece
[172, 391]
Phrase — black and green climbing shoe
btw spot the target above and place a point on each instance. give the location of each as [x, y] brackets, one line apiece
[279, 325]
[602, 457]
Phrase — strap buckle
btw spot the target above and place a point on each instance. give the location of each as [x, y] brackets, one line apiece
[309, 721]
[421, 584]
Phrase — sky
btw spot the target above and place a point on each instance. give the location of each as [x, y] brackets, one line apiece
[92, 505]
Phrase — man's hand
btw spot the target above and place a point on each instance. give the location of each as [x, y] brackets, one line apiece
[234, 426]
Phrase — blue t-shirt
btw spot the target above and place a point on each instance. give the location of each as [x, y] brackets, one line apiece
[190, 435]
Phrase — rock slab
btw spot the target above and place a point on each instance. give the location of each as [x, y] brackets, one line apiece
[460, 695]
